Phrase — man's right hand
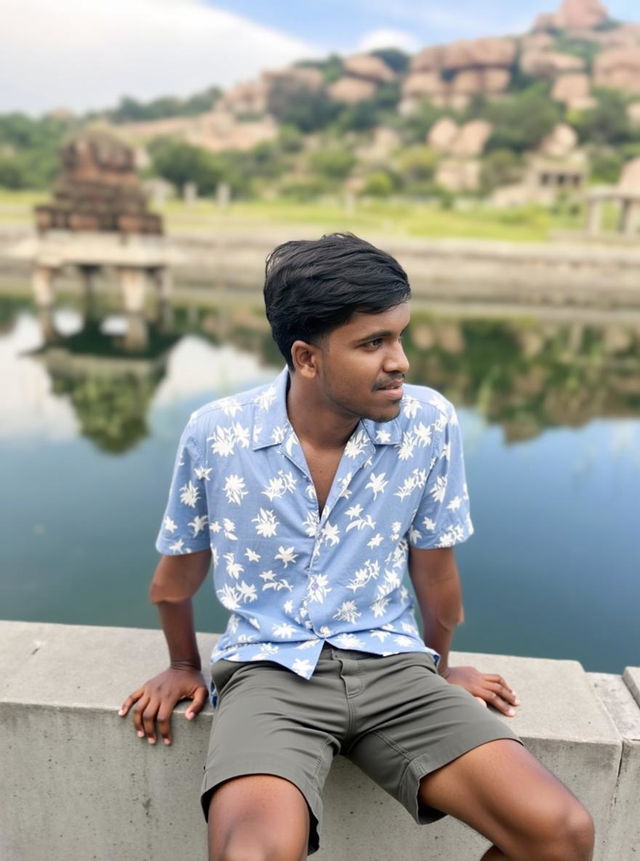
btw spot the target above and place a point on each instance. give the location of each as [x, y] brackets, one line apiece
[157, 698]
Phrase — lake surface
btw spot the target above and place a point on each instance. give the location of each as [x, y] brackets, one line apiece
[92, 405]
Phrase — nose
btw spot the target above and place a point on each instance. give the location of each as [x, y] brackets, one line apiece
[396, 361]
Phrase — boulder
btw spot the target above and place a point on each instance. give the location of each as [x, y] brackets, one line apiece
[246, 98]
[442, 135]
[479, 53]
[618, 68]
[427, 60]
[633, 112]
[574, 90]
[573, 15]
[559, 142]
[369, 68]
[310, 78]
[496, 80]
[350, 90]
[549, 64]
[471, 139]
[630, 176]
[537, 42]
[421, 84]
[582, 14]
[467, 82]
[458, 176]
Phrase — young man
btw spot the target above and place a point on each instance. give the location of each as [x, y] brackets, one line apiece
[314, 496]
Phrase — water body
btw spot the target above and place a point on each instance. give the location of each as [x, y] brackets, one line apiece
[92, 405]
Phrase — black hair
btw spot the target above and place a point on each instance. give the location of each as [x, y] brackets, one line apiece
[313, 286]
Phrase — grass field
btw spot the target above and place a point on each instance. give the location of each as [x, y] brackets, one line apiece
[398, 218]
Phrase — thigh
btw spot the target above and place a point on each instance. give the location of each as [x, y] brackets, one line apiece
[503, 792]
[414, 723]
[271, 722]
[258, 816]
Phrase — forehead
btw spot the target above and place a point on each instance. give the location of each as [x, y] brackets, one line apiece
[361, 324]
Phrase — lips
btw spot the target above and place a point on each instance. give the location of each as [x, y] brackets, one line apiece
[394, 385]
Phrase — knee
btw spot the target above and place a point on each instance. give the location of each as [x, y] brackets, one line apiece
[247, 847]
[569, 834]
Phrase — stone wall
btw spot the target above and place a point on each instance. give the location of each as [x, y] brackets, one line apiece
[77, 784]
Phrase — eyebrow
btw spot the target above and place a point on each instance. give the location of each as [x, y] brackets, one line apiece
[381, 333]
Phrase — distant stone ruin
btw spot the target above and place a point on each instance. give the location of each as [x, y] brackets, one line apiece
[98, 190]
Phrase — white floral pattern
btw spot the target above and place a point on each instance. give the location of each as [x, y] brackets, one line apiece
[290, 577]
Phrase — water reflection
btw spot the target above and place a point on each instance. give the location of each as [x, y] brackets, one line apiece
[524, 375]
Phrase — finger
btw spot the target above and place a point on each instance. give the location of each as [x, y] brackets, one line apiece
[505, 692]
[497, 702]
[137, 715]
[197, 704]
[164, 720]
[149, 720]
[480, 700]
[500, 681]
[130, 700]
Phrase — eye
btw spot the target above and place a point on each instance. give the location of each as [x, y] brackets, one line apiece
[373, 344]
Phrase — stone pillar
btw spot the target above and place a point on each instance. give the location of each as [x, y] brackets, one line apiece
[594, 218]
[223, 196]
[133, 283]
[628, 217]
[42, 285]
[190, 193]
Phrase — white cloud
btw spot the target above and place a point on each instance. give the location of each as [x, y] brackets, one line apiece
[385, 38]
[87, 53]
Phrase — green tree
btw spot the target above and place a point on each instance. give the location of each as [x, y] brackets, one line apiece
[607, 122]
[500, 167]
[394, 58]
[522, 121]
[332, 164]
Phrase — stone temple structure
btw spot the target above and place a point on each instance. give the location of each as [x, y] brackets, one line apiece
[98, 190]
[99, 217]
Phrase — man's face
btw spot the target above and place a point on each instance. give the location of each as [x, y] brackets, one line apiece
[361, 365]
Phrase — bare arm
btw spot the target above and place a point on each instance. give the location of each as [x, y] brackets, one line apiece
[436, 581]
[175, 580]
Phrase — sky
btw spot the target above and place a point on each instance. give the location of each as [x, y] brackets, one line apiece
[86, 54]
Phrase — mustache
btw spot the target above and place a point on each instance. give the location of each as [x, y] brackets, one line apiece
[396, 378]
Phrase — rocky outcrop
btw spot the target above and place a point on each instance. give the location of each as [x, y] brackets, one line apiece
[247, 98]
[549, 64]
[350, 90]
[450, 74]
[561, 141]
[618, 68]
[462, 142]
[369, 68]
[574, 15]
[630, 176]
[574, 90]
[295, 76]
[442, 135]
[459, 176]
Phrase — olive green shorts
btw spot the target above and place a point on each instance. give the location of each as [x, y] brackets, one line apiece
[393, 716]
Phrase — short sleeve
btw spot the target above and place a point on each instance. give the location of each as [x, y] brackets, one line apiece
[443, 518]
[185, 525]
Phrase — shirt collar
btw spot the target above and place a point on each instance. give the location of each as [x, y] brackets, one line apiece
[272, 425]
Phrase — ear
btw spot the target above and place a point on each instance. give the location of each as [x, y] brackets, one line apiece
[305, 359]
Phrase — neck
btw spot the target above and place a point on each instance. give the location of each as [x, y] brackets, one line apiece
[315, 421]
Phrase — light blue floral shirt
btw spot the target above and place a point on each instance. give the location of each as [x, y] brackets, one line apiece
[291, 579]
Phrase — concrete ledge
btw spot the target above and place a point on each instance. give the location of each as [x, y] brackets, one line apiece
[77, 784]
[623, 837]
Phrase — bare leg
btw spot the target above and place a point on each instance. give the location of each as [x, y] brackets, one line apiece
[258, 818]
[508, 796]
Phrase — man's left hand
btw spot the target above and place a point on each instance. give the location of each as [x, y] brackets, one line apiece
[488, 688]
